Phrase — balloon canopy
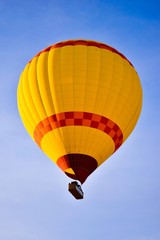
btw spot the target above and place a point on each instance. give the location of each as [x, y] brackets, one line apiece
[79, 100]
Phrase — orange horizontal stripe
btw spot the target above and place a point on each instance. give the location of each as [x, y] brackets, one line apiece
[84, 43]
[79, 119]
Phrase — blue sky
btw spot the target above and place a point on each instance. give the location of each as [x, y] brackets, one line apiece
[122, 197]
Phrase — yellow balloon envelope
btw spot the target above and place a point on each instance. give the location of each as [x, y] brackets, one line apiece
[79, 100]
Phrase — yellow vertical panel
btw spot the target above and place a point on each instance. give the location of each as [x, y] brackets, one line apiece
[130, 126]
[62, 136]
[93, 65]
[77, 140]
[58, 99]
[120, 107]
[43, 83]
[107, 149]
[77, 147]
[34, 89]
[52, 145]
[84, 137]
[25, 120]
[104, 147]
[28, 95]
[110, 104]
[66, 64]
[101, 99]
[54, 68]
[106, 68]
[70, 144]
[80, 64]
[127, 81]
[135, 92]
[61, 99]
[90, 97]
[126, 115]
[92, 77]
[23, 100]
[91, 146]
[67, 96]
[136, 89]
[54, 74]
[117, 75]
[79, 91]
[113, 101]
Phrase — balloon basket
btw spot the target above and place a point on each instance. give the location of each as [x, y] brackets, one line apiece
[75, 189]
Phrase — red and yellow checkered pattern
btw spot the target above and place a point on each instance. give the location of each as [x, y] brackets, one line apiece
[86, 119]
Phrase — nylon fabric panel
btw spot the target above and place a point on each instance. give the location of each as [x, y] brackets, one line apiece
[129, 128]
[80, 76]
[25, 121]
[67, 65]
[23, 107]
[29, 96]
[34, 88]
[92, 78]
[52, 145]
[80, 59]
[43, 84]
[54, 74]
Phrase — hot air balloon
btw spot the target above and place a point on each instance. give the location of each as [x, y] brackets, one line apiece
[79, 100]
